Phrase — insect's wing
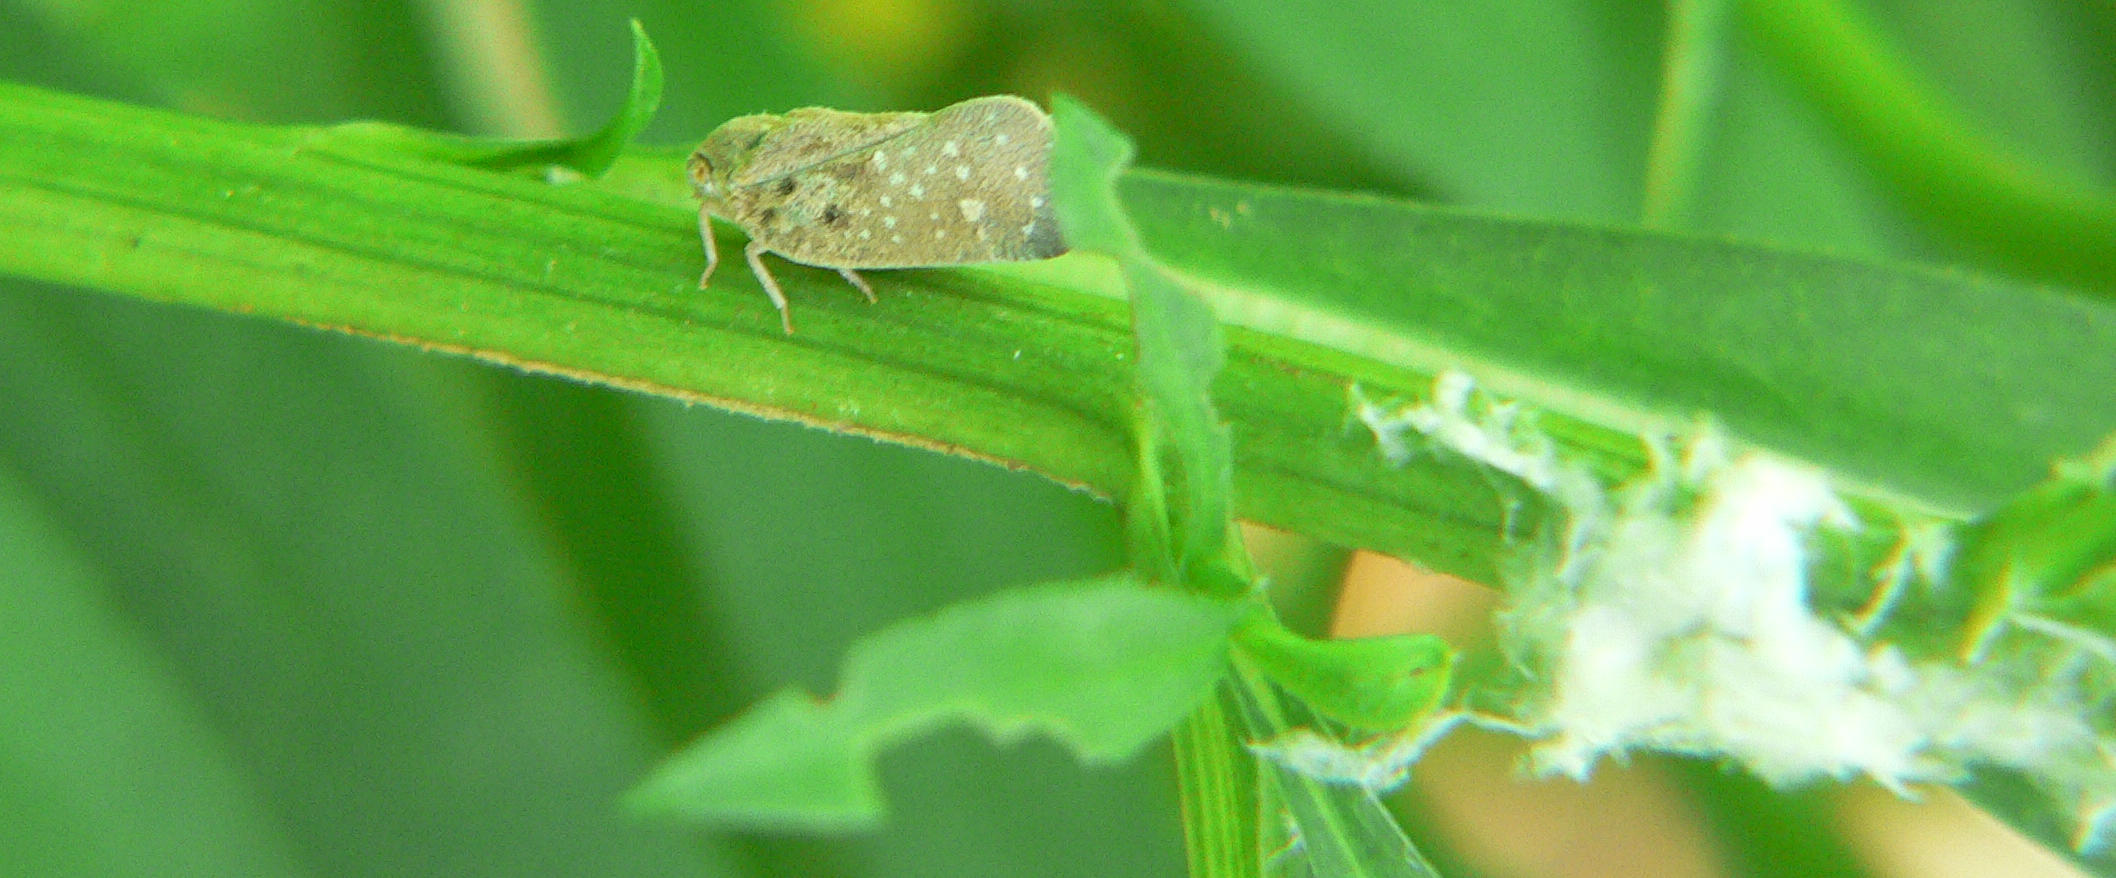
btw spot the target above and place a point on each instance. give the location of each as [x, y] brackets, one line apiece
[811, 136]
[968, 185]
[978, 171]
[964, 185]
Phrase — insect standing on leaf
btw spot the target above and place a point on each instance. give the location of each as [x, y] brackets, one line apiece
[962, 185]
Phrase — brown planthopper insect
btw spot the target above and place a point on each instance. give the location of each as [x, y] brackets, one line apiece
[961, 185]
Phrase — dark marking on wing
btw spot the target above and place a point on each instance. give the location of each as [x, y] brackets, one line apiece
[810, 136]
[968, 185]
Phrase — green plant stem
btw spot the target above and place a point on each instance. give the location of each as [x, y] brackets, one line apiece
[1951, 390]
[572, 280]
[1219, 788]
[1693, 67]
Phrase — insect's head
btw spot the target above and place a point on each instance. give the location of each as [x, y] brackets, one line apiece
[724, 152]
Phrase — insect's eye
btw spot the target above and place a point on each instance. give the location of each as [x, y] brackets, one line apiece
[701, 173]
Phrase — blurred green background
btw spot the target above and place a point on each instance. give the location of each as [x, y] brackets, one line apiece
[276, 601]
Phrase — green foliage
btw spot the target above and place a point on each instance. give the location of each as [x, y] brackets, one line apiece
[363, 610]
[1181, 513]
[1965, 183]
[1374, 684]
[590, 156]
[2048, 556]
[1955, 389]
[2028, 591]
[1103, 666]
[1180, 518]
[64, 635]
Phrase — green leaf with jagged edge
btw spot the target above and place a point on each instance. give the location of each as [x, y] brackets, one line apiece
[1103, 666]
[1182, 523]
[590, 156]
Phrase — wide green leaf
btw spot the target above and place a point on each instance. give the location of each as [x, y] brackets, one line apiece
[1953, 388]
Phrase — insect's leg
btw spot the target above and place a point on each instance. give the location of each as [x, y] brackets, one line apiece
[855, 279]
[755, 254]
[712, 253]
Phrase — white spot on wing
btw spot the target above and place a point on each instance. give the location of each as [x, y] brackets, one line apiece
[888, 202]
[948, 149]
[1035, 201]
[897, 179]
[881, 160]
[1021, 173]
[930, 169]
[939, 234]
[918, 191]
[864, 234]
[896, 239]
[889, 221]
[1000, 139]
[962, 172]
[972, 209]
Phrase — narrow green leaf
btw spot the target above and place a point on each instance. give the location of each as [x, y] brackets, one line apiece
[1087, 158]
[1692, 86]
[1184, 486]
[2050, 555]
[1102, 666]
[1952, 389]
[595, 153]
[1180, 352]
[590, 156]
